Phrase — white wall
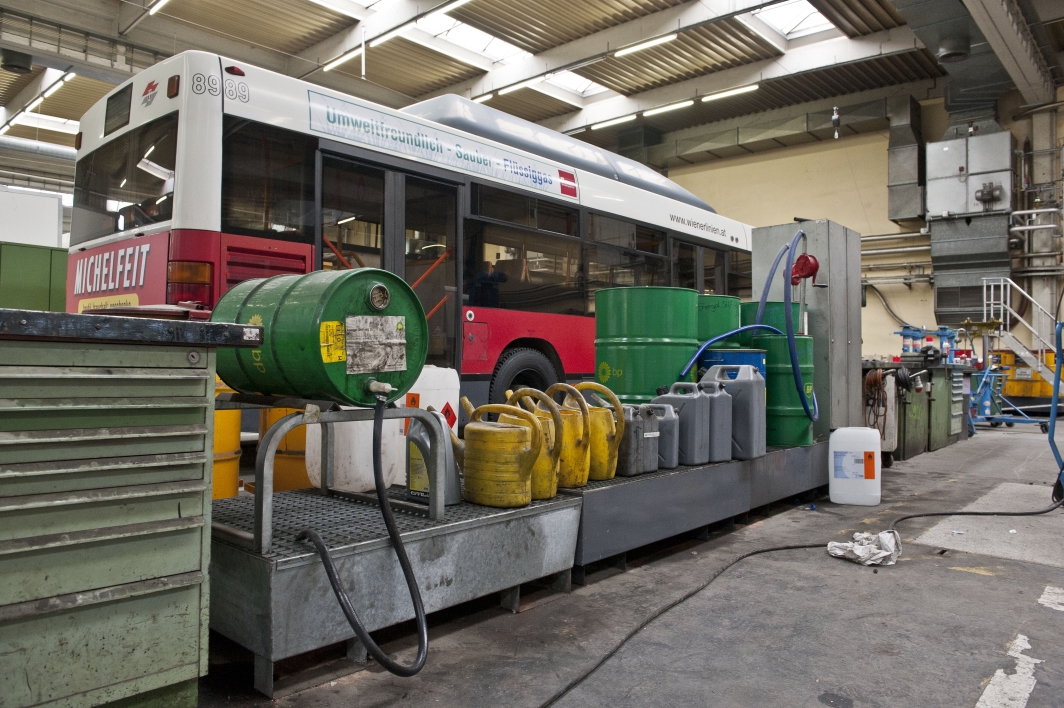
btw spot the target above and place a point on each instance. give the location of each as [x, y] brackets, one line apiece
[31, 218]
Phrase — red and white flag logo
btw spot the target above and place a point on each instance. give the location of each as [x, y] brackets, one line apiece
[568, 183]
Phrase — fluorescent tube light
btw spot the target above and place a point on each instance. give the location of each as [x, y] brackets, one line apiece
[390, 35]
[342, 58]
[123, 183]
[344, 221]
[615, 121]
[447, 7]
[53, 88]
[161, 199]
[7, 127]
[731, 92]
[645, 45]
[666, 109]
[523, 84]
[149, 152]
[33, 104]
[157, 6]
[69, 76]
[485, 97]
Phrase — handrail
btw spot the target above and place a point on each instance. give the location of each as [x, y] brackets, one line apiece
[1027, 226]
[997, 304]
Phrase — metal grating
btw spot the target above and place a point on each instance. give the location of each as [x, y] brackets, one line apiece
[288, 26]
[703, 50]
[793, 90]
[339, 522]
[530, 104]
[538, 26]
[857, 18]
[409, 68]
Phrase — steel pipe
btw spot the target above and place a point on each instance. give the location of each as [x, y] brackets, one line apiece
[889, 251]
[892, 237]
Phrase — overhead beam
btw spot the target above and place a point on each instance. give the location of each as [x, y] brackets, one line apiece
[598, 46]
[1007, 34]
[811, 57]
[30, 92]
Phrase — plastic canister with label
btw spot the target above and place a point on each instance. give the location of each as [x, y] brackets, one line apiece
[638, 453]
[855, 474]
[669, 436]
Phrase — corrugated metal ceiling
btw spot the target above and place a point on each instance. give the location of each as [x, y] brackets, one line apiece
[409, 68]
[288, 26]
[11, 84]
[538, 25]
[859, 17]
[75, 97]
[530, 105]
[793, 90]
[699, 51]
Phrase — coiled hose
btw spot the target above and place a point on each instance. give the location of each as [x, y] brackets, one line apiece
[404, 562]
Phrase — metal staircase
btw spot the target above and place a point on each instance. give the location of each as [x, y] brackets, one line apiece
[998, 295]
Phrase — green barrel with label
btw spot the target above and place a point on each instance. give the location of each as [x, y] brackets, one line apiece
[327, 335]
[717, 315]
[643, 338]
[787, 425]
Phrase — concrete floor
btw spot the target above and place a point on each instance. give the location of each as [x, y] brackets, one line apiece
[795, 628]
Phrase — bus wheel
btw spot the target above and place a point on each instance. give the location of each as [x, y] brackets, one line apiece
[519, 368]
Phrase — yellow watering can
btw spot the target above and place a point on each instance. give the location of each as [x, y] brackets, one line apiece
[497, 458]
[575, 461]
[545, 471]
[607, 430]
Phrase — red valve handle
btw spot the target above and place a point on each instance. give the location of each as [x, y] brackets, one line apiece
[805, 266]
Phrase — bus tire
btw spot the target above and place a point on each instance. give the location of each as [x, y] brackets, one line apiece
[518, 368]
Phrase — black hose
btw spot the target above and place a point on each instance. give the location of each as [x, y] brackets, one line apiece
[404, 562]
[886, 305]
[560, 693]
[981, 513]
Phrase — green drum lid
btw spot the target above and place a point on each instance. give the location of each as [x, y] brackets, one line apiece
[326, 335]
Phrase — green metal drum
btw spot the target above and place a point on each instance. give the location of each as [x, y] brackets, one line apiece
[643, 338]
[326, 335]
[787, 425]
[718, 314]
[775, 316]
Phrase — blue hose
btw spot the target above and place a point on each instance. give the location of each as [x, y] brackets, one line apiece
[813, 414]
[768, 282]
[1053, 407]
[716, 339]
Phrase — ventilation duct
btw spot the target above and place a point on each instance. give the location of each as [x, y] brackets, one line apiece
[905, 160]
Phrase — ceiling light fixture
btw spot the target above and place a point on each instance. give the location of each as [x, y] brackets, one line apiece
[645, 45]
[157, 6]
[485, 97]
[33, 104]
[615, 121]
[347, 219]
[730, 92]
[523, 84]
[342, 58]
[666, 109]
[390, 35]
[447, 7]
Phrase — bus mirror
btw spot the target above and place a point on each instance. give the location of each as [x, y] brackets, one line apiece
[173, 85]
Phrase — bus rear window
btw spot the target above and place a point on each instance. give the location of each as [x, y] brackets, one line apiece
[126, 183]
[267, 181]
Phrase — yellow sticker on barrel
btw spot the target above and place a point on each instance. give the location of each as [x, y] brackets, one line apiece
[333, 342]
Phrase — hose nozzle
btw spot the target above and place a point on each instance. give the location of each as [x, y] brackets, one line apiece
[380, 388]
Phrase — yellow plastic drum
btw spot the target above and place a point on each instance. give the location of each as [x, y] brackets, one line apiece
[226, 476]
[290, 463]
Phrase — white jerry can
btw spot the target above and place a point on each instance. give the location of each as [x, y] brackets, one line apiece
[855, 472]
[353, 442]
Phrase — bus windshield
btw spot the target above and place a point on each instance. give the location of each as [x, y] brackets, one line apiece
[126, 183]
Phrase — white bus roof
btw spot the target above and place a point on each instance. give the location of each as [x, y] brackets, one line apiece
[487, 122]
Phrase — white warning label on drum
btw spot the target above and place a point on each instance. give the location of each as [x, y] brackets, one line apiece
[375, 344]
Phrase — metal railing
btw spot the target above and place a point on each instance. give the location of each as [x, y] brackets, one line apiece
[1028, 217]
[998, 295]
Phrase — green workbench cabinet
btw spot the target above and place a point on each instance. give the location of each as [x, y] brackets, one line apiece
[106, 443]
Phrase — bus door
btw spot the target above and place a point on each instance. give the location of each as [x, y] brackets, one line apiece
[378, 217]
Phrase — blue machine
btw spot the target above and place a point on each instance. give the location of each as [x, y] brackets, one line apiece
[733, 357]
[913, 337]
[987, 399]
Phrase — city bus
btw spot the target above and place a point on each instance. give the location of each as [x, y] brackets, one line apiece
[201, 172]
